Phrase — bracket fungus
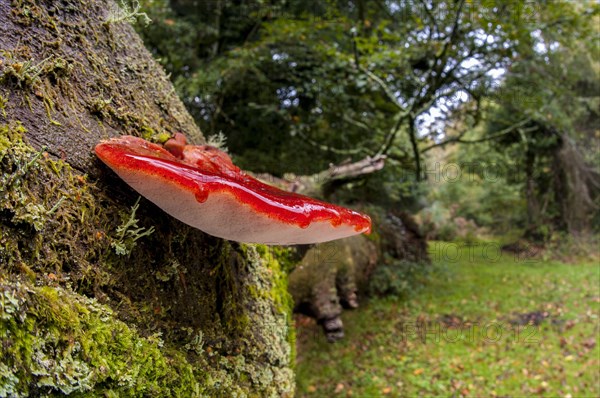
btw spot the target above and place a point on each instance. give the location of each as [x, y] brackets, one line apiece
[200, 185]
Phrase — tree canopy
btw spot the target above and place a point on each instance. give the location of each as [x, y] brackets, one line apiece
[296, 86]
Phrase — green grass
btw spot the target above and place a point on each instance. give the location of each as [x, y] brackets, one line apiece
[466, 333]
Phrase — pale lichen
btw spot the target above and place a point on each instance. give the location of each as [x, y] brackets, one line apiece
[129, 232]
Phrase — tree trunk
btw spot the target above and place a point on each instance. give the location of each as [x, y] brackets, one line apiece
[91, 300]
[577, 187]
[533, 207]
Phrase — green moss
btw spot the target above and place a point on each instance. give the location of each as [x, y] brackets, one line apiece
[3, 103]
[278, 292]
[52, 207]
[161, 138]
[147, 132]
[60, 342]
[56, 231]
[28, 13]
[10, 134]
[22, 73]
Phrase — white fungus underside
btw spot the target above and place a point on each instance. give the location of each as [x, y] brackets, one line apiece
[223, 216]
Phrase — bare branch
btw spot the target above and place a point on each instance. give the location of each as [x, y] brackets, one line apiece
[401, 116]
[337, 151]
[415, 147]
[367, 165]
[391, 136]
[453, 34]
[357, 123]
[384, 86]
[503, 132]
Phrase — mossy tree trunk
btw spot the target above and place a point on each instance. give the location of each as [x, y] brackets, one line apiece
[96, 294]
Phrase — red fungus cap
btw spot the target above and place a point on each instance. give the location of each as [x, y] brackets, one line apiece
[200, 186]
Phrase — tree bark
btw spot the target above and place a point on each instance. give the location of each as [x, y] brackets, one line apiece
[533, 207]
[175, 312]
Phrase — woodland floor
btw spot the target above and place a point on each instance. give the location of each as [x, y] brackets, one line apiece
[486, 324]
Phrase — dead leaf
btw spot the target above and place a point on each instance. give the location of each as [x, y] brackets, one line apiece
[590, 343]
[563, 342]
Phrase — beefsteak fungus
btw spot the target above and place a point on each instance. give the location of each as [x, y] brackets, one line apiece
[200, 185]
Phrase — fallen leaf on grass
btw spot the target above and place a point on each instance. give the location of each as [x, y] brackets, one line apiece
[563, 342]
[590, 343]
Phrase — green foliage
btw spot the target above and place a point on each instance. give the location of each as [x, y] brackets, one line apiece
[473, 182]
[296, 86]
[398, 278]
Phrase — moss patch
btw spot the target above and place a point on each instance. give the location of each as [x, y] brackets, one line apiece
[50, 219]
[222, 311]
[279, 294]
[59, 342]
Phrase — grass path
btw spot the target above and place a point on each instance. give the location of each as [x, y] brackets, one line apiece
[485, 325]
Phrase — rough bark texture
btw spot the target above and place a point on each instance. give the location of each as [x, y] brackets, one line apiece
[91, 299]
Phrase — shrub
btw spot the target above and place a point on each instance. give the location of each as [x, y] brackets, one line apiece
[398, 278]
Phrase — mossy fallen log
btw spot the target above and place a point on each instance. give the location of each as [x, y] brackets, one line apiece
[336, 275]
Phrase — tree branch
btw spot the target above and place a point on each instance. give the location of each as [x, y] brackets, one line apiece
[389, 139]
[337, 151]
[499, 134]
[415, 147]
[384, 86]
[346, 171]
